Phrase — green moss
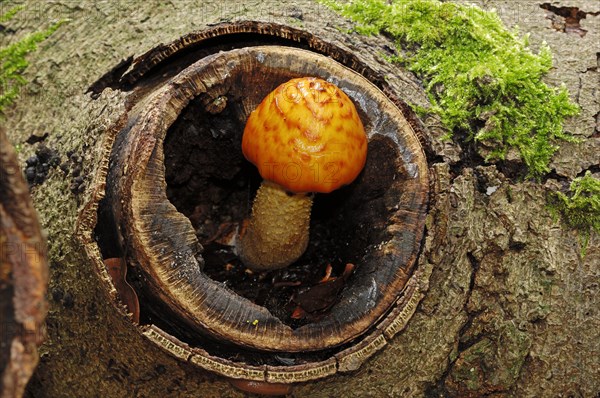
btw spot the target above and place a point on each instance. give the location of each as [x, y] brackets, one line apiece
[481, 79]
[581, 208]
[8, 15]
[13, 62]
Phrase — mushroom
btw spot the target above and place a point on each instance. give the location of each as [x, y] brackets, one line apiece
[304, 137]
[138, 206]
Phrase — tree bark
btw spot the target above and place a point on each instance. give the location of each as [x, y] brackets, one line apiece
[512, 307]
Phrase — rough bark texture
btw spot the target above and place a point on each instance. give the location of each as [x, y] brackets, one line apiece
[512, 308]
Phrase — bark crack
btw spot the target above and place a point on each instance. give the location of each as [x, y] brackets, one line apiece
[596, 133]
[567, 19]
[441, 389]
[111, 79]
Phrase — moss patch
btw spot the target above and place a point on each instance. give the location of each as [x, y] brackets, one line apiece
[581, 208]
[481, 79]
[12, 59]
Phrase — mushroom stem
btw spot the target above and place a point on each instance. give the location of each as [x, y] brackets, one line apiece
[278, 230]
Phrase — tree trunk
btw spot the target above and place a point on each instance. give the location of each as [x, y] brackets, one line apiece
[512, 307]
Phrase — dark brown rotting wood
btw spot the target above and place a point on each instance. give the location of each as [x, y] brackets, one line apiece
[138, 146]
[23, 277]
[227, 36]
[567, 19]
[170, 266]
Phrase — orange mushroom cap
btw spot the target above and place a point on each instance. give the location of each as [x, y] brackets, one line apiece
[306, 136]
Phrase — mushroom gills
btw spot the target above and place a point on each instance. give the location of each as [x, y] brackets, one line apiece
[278, 230]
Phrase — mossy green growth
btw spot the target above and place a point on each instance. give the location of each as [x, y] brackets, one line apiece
[581, 208]
[13, 62]
[481, 78]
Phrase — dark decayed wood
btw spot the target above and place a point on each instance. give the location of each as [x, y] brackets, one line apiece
[163, 242]
[23, 277]
[159, 242]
